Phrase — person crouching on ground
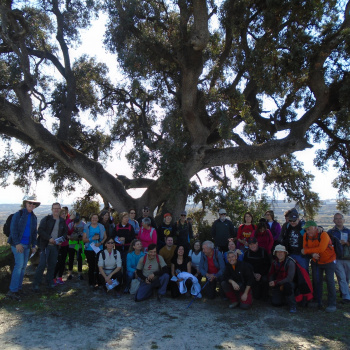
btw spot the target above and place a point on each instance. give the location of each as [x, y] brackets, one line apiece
[153, 273]
[281, 277]
[110, 266]
[237, 283]
[211, 266]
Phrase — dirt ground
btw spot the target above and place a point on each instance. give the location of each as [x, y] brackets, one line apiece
[74, 317]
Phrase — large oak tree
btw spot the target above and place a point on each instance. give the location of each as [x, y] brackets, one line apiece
[198, 75]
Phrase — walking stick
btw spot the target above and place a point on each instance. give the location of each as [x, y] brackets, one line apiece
[197, 295]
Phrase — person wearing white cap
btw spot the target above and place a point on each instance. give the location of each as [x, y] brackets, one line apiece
[222, 230]
[23, 238]
[281, 277]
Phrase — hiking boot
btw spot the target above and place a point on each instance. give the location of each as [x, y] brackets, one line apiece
[13, 295]
[331, 309]
[69, 277]
[233, 305]
[59, 281]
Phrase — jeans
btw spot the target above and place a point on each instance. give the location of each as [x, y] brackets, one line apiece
[145, 290]
[21, 260]
[304, 262]
[317, 276]
[48, 258]
[342, 271]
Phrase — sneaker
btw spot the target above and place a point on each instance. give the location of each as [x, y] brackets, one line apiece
[59, 280]
[293, 310]
[233, 305]
[69, 277]
[80, 277]
[13, 295]
[331, 309]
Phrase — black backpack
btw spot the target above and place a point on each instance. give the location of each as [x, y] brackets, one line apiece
[7, 225]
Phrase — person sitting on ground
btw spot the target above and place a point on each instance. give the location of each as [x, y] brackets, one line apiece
[110, 266]
[195, 254]
[245, 231]
[212, 267]
[148, 234]
[165, 230]
[232, 247]
[319, 246]
[123, 235]
[134, 255]
[264, 237]
[281, 276]
[237, 282]
[167, 252]
[153, 273]
[76, 245]
[180, 262]
[260, 260]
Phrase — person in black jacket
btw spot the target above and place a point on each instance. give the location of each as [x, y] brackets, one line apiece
[222, 230]
[260, 260]
[51, 228]
[238, 281]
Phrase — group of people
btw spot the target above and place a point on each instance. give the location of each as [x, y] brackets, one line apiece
[263, 261]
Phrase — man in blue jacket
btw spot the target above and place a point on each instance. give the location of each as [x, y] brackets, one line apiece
[51, 229]
[212, 267]
[22, 239]
[222, 230]
[342, 267]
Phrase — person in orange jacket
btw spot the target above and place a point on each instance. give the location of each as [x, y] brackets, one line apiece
[319, 246]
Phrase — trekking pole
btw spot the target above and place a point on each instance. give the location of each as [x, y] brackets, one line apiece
[197, 295]
[318, 285]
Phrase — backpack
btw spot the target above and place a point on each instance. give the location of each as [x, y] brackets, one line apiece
[338, 248]
[337, 245]
[7, 225]
[303, 286]
[102, 252]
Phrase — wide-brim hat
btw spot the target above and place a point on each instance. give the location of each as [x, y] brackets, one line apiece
[280, 248]
[31, 199]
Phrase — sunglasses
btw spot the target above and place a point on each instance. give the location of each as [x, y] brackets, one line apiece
[223, 214]
[292, 220]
